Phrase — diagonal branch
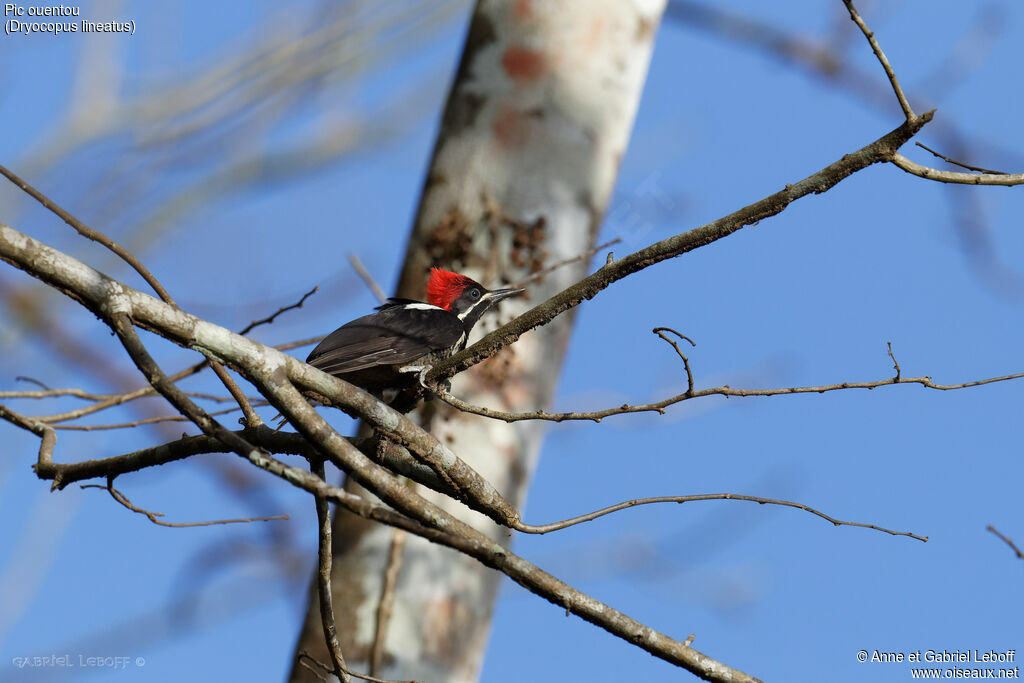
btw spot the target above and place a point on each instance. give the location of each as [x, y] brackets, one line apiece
[1008, 541]
[361, 270]
[879, 151]
[961, 164]
[547, 586]
[251, 418]
[883, 60]
[119, 399]
[284, 309]
[87, 232]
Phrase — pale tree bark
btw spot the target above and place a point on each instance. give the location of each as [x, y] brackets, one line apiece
[536, 124]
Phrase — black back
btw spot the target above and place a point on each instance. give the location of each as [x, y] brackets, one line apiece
[397, 335]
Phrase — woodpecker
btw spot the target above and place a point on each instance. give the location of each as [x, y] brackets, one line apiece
[387, 349]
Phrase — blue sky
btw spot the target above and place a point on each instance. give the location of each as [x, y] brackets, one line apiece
[808, 297]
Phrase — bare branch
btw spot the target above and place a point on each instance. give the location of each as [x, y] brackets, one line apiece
[321, 669]
[63, 474]
[555, 526]
[427, 520]
[273, 316]
[74, 392]
[958, 163]
[32, 380]
[89, 233]
[895, 363]
[40, 429]
[135, 423]
[387, 599]
[153, 516]
[547, 586]
[299, 343]
[914, 168]
[367, 278]
[675, 345]
[119, 399]
[1007, 541]
[303, 655]
[323, 576]
[251, 418]
[659, 407]
[565, 262]
[883, 60]
[881, 150]
[272, 372]
[464, 483]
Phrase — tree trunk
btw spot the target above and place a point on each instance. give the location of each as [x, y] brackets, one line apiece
[536, 124]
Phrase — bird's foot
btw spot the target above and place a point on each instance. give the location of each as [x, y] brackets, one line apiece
[422, 371]
[442, 387]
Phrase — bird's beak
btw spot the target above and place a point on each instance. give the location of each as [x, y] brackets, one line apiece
[496, 295]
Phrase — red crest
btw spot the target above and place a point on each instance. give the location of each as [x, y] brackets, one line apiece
[444, 287]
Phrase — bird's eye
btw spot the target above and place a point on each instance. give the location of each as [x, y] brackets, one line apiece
[474, 293]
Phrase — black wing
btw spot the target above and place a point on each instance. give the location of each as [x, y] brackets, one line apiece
[397, 335]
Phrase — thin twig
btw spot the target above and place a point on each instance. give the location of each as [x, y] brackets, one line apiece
[686, 361]
[323, 576]
[904, 104]
[89, 233]
[367, 278]
[32, 380]
[565, 262]
[555, 526]
[270, 318]
[119, 399]
[299, 343]
[251, 418]
[959, 163]
[123, 500]
[659, 407]
[914, 168]
[136, 423]
[89, 396]
[1007, 541]
[895, 363]
[54, 393]
[323, 667]
[387, 599]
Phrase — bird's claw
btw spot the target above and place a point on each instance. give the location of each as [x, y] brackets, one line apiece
[422, 371]
[423, 377]
[442, 387]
